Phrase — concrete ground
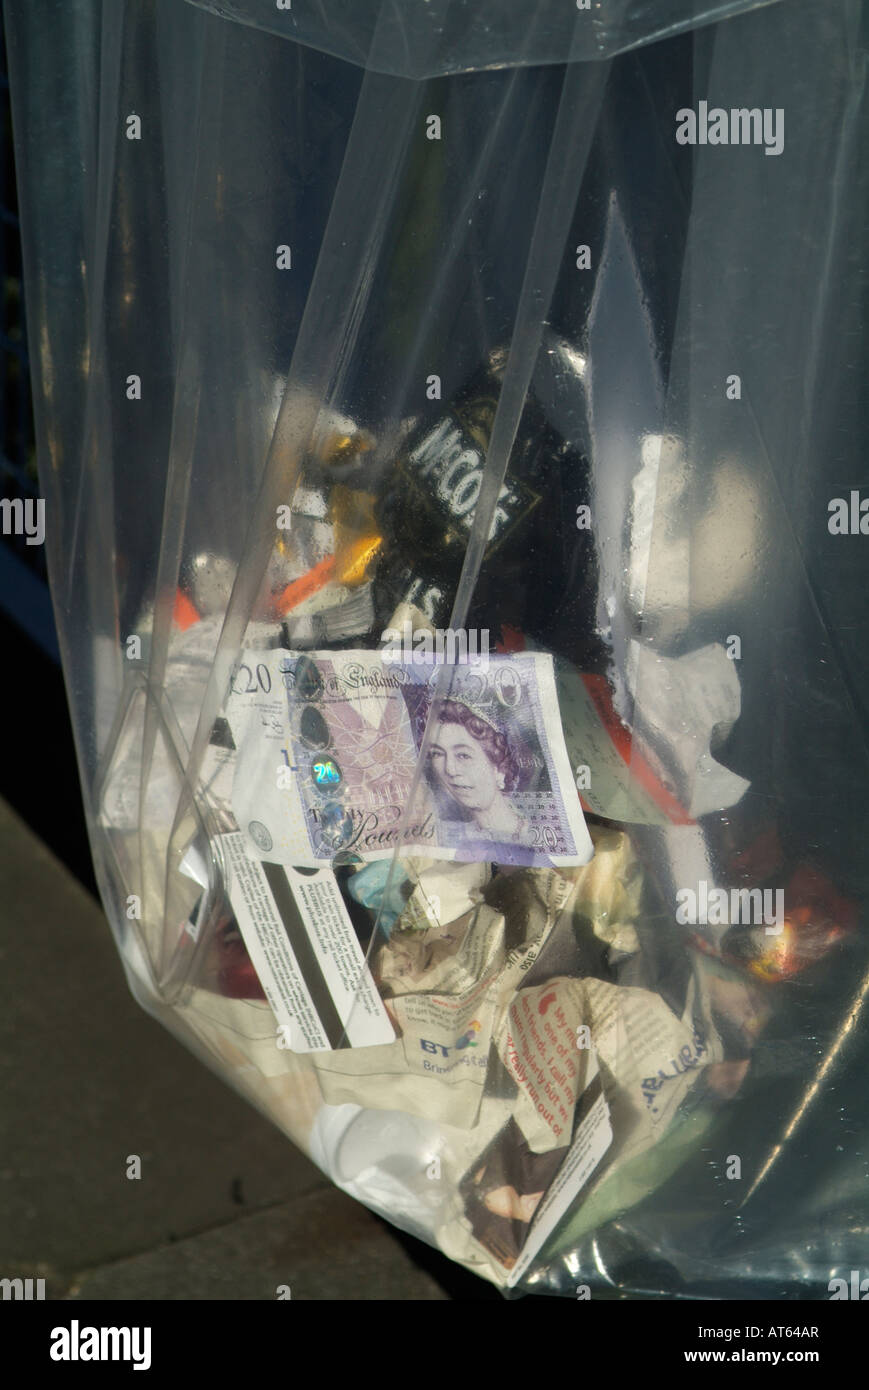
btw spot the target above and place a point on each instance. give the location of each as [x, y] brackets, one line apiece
[226, 1208]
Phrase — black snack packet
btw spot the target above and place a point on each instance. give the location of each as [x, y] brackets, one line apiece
[428, 506]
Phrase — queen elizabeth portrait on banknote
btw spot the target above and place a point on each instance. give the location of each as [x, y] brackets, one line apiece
[473, 770]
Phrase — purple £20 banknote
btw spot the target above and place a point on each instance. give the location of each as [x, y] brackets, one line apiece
[347, 753]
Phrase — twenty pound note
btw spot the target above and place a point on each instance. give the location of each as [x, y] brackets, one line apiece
[328, 744]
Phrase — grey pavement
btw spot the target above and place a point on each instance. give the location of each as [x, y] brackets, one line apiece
[226, 1207]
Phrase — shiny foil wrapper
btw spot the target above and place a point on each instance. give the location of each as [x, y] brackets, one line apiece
[816, 919]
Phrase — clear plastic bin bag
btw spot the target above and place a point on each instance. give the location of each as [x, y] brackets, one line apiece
[449, 427]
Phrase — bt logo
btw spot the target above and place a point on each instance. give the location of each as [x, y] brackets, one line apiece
[468, 1039]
